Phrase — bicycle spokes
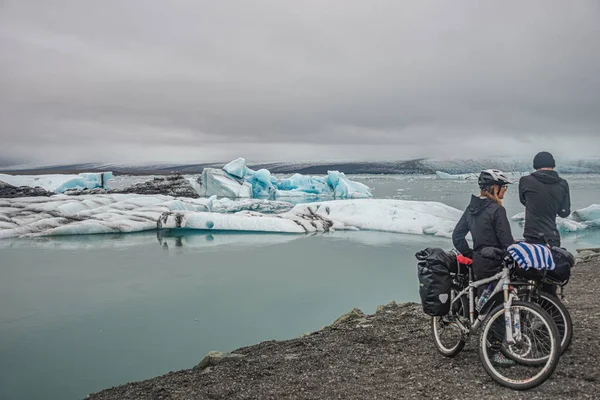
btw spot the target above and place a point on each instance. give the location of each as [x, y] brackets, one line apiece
[530, 357]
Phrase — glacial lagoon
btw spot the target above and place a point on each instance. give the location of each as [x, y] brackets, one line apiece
[82, 313]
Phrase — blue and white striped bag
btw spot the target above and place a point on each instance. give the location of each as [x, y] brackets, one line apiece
[529, 255]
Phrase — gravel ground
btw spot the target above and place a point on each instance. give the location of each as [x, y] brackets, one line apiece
[388, 355]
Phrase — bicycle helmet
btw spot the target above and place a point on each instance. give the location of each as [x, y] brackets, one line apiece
[489, 177]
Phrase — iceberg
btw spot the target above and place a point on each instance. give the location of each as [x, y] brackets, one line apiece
[344, 188]
[584, 218]
[514, 176]
[59, 183]
[304, 184]
[589, 215]
[109, 213]
[238, 168]
[219, 183]
[453, 177]
[126, 213]
[387, 215]
[262, 183]
[236, 180]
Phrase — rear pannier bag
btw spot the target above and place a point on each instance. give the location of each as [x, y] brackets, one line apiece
[433, 271]
[564, 261]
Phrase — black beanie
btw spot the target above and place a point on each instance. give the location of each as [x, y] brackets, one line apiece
[543, 159]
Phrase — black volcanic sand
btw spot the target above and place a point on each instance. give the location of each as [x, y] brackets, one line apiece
[390, 355]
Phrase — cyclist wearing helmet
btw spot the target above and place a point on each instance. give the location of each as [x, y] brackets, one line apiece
[486, 219]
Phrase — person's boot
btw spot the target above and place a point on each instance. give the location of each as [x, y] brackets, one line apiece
[499, 360]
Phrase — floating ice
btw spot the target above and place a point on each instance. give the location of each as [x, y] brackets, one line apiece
[514, 176]
[219, 183]
[387, 215]
[237, 180]
[59, 183]
[589, 215]
[123, 213]
[304, 184]
[238, 168]
[108, 213]
[344, 188]
[262, 183]
[452, 177]
[579, 220]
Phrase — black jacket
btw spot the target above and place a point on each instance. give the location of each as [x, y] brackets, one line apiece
[544, 195]
[489, 226]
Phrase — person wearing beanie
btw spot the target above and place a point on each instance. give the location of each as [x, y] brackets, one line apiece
[545, 195]
[543, 159]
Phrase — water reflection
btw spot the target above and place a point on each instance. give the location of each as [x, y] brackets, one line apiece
[178, 239]
[171, 239]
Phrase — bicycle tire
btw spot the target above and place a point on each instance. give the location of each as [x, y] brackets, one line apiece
[550, 363]
[557, 310]
[438, 326]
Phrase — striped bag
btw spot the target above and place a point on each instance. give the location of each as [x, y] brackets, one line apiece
[529, 255]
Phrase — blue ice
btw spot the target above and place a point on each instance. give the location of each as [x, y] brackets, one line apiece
[86, 181]
[265, 185]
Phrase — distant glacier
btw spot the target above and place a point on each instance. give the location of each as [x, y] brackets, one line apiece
[414, 166]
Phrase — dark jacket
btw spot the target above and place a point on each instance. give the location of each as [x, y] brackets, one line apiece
[544, 195]
[489, 226]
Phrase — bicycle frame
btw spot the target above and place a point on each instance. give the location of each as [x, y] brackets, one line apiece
[503, 285]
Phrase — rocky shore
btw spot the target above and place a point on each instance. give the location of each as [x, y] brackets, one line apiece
[387, 355]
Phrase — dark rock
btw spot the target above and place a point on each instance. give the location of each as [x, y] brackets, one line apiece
[80, 192]
[587, 254]
[353, 315]
[10, 191]
[217, 357]
[174, 185]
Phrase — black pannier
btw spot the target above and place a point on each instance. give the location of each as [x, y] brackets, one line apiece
[563, 261]
[530, 274]
[433, 271]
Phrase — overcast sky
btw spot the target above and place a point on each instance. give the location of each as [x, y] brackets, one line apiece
[194, 81]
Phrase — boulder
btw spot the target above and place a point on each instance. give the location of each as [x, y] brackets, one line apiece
[217, 357]
[353, 315]
[587, 254]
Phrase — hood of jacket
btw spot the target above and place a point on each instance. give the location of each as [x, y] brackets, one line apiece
[546, 176]
[477, 205]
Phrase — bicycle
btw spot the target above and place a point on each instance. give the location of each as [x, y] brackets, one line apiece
[533, 291]
[520, 330]
[540, 288]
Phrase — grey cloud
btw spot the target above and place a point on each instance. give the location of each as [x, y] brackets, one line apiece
[198, 80]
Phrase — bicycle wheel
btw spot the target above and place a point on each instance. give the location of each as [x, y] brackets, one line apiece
[533, 357]
[447, 335]
[561, 317]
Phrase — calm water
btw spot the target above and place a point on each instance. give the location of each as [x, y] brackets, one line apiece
[79, 314]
